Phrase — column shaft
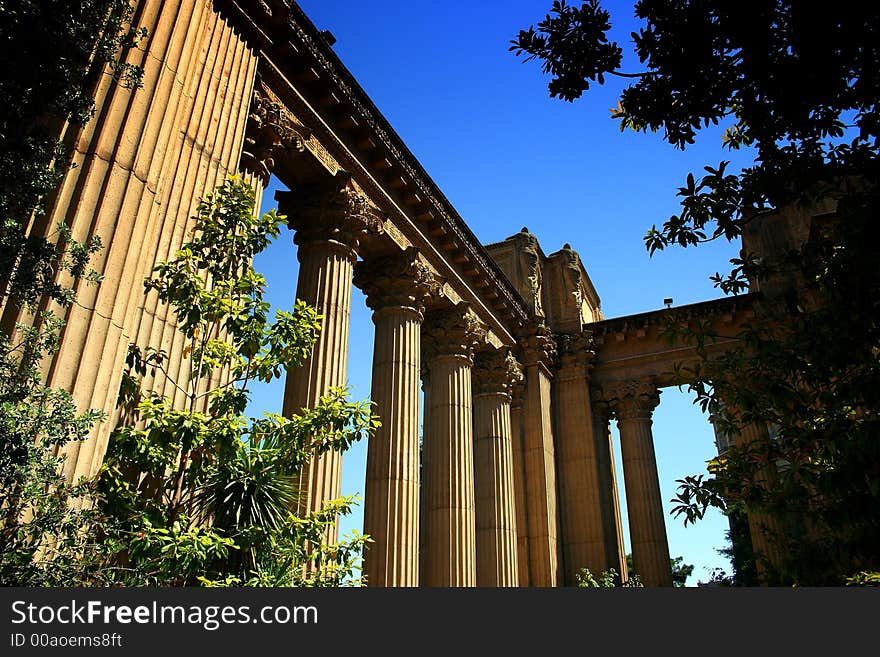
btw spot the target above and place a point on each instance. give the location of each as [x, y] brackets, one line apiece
[519, 490]
[391, 508]
[325, 281]
[140, 166]
[609, 499]
[764, 528]
[650, 549]
[581, 500]
[540, 477]
[497, 563]
[451, 518]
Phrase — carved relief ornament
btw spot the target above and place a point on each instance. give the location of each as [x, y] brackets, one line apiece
[530, 272]
[455, 331]
[496, 372]
[572, 279]
[632, 400]
[575, 351]
[271, 132]
[334, 211]
[399, 280]
[537, 344]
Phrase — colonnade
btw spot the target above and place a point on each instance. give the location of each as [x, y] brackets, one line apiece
[512, 481]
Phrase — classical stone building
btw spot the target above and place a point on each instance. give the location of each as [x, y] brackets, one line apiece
[513, 482]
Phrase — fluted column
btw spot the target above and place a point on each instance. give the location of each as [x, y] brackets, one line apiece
[539, 458]
[448, 339]
[519, 482]
[615, 551]
[330, 220]
[396, 288]
[580, 499]
[764, 528]
[494, 374]
[632, 404]
[140, 166]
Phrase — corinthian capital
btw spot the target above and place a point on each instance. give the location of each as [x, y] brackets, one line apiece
[632, 400]
[537, 344]
[601, 408]
[575, 351]
[331, 211]
[400, 280]
[496, 372]
[452, 332]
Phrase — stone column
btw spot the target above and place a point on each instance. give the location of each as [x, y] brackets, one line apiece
[330, 220]
[424, 467]
[615, 551]
[140, 166]
[397, 288]
[539, 457]
[519, 482]
[765, 529]
[494, 374]
[580, 499]
[448, 339]
[632, 404]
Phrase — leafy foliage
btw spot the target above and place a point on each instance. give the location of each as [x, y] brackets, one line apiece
[798, 83]
[45, 541]
[680, 571]
[579, 32]
[206, 494]
[608, 579]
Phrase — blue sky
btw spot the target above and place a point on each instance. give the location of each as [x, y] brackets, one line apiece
[506, 155]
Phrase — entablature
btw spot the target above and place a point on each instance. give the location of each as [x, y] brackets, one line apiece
[344, 130]
[650, 345]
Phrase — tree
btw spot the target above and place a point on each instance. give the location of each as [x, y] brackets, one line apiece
[200, 493]
[46, 542]
[680, 571]
[738, 550]
[799, 83]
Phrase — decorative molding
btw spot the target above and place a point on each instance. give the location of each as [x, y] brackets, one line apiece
[271, 130]
[575, 352]
[376, 125]
[726, 309]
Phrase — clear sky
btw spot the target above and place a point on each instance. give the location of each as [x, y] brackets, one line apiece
[507, 156]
